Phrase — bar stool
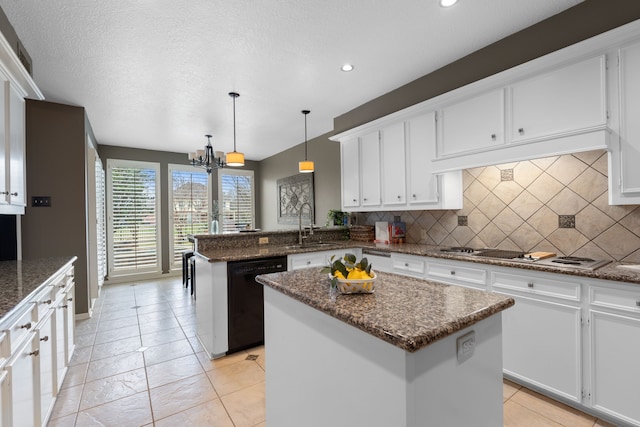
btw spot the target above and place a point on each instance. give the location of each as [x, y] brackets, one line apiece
[186, 256]
[192, 274]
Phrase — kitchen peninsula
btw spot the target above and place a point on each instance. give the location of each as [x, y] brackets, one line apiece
[413, 353]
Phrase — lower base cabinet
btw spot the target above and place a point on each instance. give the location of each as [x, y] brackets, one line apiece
[36, 346]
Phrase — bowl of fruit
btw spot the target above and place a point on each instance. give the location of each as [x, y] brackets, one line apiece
[351, 276]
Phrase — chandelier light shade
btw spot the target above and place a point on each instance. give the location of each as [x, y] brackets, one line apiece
[234, 158]
[207, 158]
[305, 166]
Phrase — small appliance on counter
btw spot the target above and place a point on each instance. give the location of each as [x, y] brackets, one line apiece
[398, 230]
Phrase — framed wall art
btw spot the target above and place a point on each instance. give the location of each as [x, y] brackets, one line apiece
[293, 192]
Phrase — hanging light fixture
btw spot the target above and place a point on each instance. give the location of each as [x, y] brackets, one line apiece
[234, 158]
[207, 158]
[305, 166]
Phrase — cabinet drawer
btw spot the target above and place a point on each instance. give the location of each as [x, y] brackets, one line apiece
[44, 300]
[537, 285]
[474, 277]
[622, 299]
[412, 266]
[306, 261]
[20, 327]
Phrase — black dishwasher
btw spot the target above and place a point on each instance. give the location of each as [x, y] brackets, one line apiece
[245, 300]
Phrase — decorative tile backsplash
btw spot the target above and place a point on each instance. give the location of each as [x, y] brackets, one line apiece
[557, 204]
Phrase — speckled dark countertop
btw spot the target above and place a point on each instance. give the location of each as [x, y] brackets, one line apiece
[608, 272]
[21, 279]
[406, 312]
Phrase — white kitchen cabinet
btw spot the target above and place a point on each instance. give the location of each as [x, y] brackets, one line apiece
[370, 170]
[23, 384]
[394, 191]
[350, 171]
[542, 332]
[379, 261]
[624, 174]
[614, 318]
[474, 124]
[318, 259]
[457, 273]
[408, 265]
[15, 85]
[46, 363]
[65, 330]
[567, 100]
[388, 166]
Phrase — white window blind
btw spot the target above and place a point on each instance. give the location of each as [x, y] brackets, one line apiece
[236, 192]
[189, 208]
[134, 217]
[101, 225]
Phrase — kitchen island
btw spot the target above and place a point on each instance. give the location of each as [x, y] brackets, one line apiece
[413, 353]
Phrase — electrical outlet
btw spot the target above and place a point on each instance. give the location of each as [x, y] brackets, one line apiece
[423, 234]
[263, 240]
[465, 346]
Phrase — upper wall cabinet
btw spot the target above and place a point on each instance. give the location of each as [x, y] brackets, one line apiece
[564, 101]
[386, 165]
[472, 125]
[15, 85]
[555, 112]
[624, 173]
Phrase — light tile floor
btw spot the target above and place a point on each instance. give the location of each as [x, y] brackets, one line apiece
[137, 363]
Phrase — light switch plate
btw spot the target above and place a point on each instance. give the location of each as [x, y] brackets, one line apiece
[263, 240]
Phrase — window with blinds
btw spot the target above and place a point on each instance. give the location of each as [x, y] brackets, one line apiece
[134, 217]
[236, 192]
[189, 208]
[100, 220]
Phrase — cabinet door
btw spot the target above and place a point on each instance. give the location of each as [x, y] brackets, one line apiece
[421, 148]
[48, 377]
[615, 351]
[472, 125]
[350, 165]
[562, 101]
[23, 384]
[542, 345]
[626, 174]
[17, 187]
[306, 260]
[5, 162]
[4, 398]
[370, 169]
[70, 324]
[393, 165]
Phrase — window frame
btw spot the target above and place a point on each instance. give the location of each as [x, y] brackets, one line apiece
[236, 172]
[173, 264]
[120, 163]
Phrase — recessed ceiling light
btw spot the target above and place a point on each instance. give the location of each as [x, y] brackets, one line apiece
[347, 67]
[448, 3]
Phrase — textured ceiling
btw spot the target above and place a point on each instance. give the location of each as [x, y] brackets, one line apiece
[155, 73]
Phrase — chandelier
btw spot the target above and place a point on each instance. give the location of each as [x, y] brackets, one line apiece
[207, 158]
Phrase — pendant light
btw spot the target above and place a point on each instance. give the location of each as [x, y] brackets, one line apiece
[234, 158]
[305, 166]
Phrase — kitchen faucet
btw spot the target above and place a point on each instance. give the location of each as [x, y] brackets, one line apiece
[300, 236]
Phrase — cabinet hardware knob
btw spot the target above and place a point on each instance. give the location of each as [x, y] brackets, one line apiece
[13, 194]
[46, 302]
[354, 200]
[453, 272]
[45, 338]
[399, 197]
[413, 195]
[4, 192]
[63, 306]
[406, 264]
[69, 299]
[25, 326]
[530, 284]
[638, 303]
[308, 262]
[493, 136]
[365, 199]
[34, 353]
[521, 131]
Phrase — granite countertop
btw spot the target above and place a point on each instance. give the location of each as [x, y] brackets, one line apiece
[607, 272]
[406, 312]
[22, 279]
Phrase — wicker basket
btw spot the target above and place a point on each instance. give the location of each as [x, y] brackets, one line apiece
[362, 233]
